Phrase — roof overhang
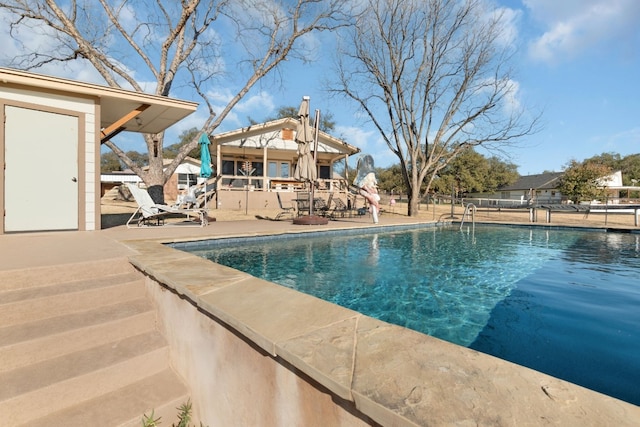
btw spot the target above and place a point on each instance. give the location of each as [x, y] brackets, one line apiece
[120, 109]
[242, 136]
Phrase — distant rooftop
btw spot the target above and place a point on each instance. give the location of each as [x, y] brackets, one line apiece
[540, 181]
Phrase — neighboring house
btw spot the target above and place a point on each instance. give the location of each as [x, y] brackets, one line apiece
[253, 164]
[614, 186]
[186, 174]
[263, 157]
[117, 178]
[260, 160]
[543, 188]
[529, 189]
[51, 130]
[540, 188]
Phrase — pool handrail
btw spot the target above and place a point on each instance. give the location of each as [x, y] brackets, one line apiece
[470, 207]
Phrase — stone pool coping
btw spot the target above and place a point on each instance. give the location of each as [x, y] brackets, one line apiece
[393, 375]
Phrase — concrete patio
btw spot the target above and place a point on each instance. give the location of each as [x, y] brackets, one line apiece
[253, 353]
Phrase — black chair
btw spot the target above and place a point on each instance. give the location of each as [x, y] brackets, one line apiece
[302, 202]
[321, 207]
[340, 208]
[285, 210]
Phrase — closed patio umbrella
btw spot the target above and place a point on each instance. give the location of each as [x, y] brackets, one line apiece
[306, 166]
[205, 163]
[205, 157]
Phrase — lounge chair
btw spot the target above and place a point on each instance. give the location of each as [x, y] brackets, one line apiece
[285, 210]
[150, 213]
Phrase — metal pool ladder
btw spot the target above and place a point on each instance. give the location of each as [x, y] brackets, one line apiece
[470, 209]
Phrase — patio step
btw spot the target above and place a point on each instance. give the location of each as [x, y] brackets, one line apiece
[80, 347]
[160, 394]
[62, 273]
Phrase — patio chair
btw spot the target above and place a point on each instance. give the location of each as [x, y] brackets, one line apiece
[150, 213]
[285, 210]
[321, 207]
[340, 208]
[302, 202]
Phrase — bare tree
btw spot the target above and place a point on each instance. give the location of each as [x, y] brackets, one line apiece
[201, 44]
[433, 77]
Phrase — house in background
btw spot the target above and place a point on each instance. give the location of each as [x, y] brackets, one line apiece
[186, 175]
[252, 164]
[614, 187]
[108, 181]
[529, 189]
[543, 189]
[535, 189]
[263, 157]
[51, 130]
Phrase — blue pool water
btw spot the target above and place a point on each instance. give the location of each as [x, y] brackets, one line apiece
[563, 302]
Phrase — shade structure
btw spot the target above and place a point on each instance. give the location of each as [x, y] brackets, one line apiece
[306, 166]
[205, 157]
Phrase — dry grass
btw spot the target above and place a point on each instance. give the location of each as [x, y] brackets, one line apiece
[427, 212]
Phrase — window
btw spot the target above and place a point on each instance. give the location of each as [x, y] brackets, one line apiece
[228, 167]
[186, 180]
[259, 168]
[325, 172]
[272, 170]
[277, 169]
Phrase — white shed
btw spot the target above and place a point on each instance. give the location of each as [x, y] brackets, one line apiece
[51, 130]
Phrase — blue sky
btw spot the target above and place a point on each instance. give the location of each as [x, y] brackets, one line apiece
[577, 60]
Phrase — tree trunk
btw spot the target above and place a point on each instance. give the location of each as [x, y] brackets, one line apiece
[154, 178]
[414, 200]
[156, 192]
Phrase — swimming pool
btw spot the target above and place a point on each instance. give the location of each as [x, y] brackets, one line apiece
[564, 302]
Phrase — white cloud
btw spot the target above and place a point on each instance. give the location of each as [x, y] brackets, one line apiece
[509, 20]
[512, 102]
[576, 26]
[623, 142]
[262, 103]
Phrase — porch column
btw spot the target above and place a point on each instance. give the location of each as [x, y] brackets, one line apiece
[346, 174]
[218, 171]
[265, 170]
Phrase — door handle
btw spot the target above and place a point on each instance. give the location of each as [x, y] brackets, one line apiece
[74, 179]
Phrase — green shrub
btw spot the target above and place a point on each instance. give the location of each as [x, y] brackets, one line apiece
[184, 416]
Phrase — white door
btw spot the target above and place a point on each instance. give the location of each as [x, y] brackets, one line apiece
[41, 170]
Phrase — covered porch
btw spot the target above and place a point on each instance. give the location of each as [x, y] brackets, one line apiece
[263, 157]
